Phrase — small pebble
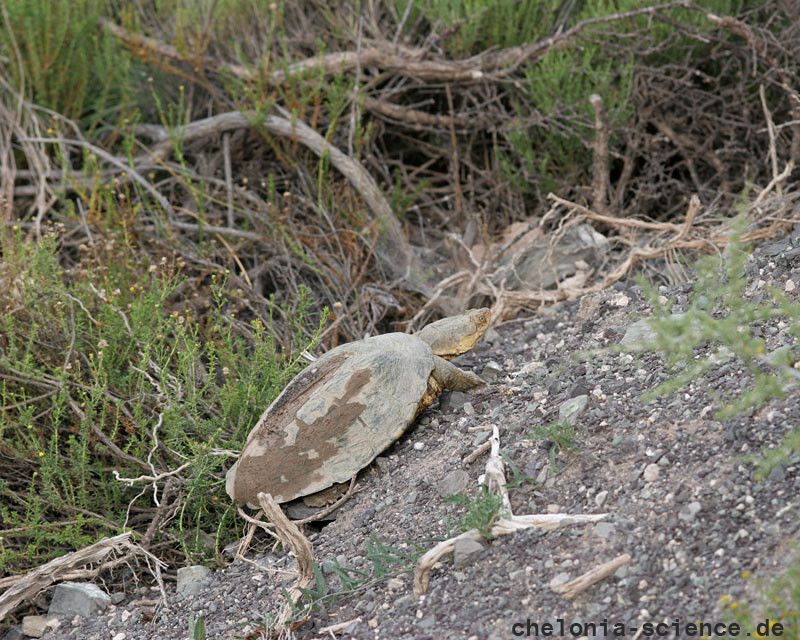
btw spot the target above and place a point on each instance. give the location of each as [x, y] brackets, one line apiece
[651, 472]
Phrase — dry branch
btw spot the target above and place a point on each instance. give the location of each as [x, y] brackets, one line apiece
[507, 522]
[395, 58]
[293, 538]
[501, 527]
[393, 250]
[600, 165]
[24, 587]
[574, 587]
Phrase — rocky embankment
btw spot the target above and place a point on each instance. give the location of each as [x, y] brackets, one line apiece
[682, 499]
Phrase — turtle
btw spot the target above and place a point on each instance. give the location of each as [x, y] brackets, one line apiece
[337, 415]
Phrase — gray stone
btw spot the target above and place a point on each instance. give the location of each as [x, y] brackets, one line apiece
[689, 512]
[600, 498]
[639, 336]
[192, 580]
[559, 579]
[464, 549]
[492, 371]
[453, 483]
[469, 410]
[14, 633]
[604, 530]
[454, 399]
[427, 623]
[570, 410]
[395, 584]
[83, 599]
[780, 356]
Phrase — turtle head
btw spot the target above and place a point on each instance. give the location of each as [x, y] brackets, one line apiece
[450, 337]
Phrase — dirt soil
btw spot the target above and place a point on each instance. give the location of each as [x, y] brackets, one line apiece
[681, 498]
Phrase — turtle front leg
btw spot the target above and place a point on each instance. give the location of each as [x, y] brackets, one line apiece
[449, 376]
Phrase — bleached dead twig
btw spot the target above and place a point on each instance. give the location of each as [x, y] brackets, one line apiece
[28, 585]
[339, 627]
[479, 451]
[294, 539]
[501, 527]
[600, 163]
[506, 524]
[581, 583]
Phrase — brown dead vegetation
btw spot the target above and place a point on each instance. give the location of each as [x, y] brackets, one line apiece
[704, 135]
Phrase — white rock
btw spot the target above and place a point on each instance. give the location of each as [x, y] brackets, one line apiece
[559, 579]
[651, 472]
[394, 584]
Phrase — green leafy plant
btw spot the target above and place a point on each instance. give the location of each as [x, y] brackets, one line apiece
[386, 561]
[483, 511]
[518, 476]
[197, 628]
[58, 58]
[101, 381]
[778, 602]
[718, 328]
[560, 435]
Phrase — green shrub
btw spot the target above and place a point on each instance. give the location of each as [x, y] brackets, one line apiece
[482, 511]
[55, 51]
[104, 365]
[721, 317]
[555, 89]
[476, 25]
[560, 434]
[778, 603]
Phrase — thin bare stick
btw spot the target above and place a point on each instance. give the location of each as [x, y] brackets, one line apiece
[415, 118]
[495, 477]
[355, 106]
[119, 164]
[330, 509]
[600, 164]
[612, 220]
[340, 627]
[479, 451]
[501, 527]
[507, 523]
[777, 180]
[226, 159]
[574, 587]
[394, 57]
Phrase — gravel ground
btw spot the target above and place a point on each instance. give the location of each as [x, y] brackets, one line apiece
[681, 498]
